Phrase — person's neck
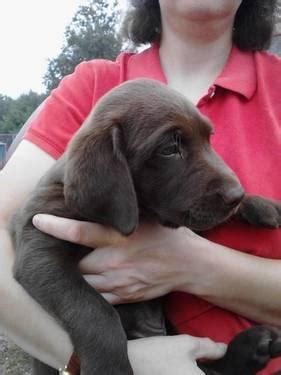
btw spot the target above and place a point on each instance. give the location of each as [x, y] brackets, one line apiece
[192, 62]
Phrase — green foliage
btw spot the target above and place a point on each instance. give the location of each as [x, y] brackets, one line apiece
[14, 113]
[91, 34]
[5, 103]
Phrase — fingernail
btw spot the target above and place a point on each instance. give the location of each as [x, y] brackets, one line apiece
[222, 347]
[36, 221]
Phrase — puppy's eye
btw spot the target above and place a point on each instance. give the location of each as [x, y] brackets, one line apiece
[172, 149]
[169, 151]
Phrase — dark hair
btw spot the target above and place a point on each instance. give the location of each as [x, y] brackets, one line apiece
[253, 25]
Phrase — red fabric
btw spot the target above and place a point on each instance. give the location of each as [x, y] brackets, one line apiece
[245, 106]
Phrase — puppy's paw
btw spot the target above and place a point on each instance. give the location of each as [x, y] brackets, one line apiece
[254, 348]
[260, 212]
[268, 344]
[249, 352]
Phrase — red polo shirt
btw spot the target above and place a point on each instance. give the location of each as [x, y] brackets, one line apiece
[245, 106]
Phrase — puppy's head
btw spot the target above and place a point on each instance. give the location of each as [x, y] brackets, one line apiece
[145, 150]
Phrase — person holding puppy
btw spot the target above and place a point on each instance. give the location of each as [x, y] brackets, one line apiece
[221, 283]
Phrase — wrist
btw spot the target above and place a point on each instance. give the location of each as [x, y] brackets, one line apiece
[198, 265]
[217, 271]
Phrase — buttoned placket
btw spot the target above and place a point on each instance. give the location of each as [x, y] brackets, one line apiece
[210, 94]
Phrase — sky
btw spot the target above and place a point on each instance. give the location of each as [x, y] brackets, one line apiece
[31, 32]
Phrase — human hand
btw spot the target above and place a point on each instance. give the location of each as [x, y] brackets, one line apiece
[177, 355]
[149, 263]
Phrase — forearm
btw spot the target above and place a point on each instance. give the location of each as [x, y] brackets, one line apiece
[23, 320]
[243, 283]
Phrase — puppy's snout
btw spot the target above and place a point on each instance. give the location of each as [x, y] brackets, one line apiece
[232, 196]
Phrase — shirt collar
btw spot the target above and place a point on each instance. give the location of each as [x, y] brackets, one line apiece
[238, 75]
[147, 64]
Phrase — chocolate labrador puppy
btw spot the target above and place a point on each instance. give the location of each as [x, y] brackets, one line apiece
[143, 154]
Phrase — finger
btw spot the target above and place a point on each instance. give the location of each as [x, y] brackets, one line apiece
[98, 282]
[112, 298]
[82, 232]
[206, 348]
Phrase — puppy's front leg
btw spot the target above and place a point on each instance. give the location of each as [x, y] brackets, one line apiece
[47, 268]
[260, 212]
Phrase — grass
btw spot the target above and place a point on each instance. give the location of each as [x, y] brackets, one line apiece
[13, 361]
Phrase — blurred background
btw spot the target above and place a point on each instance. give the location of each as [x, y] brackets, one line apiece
[41, 42]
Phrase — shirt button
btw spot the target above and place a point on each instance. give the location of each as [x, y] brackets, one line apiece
[212, 92]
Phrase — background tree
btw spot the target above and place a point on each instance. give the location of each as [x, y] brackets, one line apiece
[91, 34]
[5, 103]
[14, 113]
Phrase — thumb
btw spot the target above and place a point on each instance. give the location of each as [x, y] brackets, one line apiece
[81, 232]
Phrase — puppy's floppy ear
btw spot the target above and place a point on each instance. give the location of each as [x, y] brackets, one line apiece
[97, 183]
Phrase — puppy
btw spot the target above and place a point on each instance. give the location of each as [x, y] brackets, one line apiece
[143, 154]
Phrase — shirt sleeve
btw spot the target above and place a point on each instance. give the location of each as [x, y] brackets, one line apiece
[63, 111]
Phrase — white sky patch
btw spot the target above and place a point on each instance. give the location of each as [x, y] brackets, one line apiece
[31, 32]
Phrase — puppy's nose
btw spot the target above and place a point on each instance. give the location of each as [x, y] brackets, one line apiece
[232, 196]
